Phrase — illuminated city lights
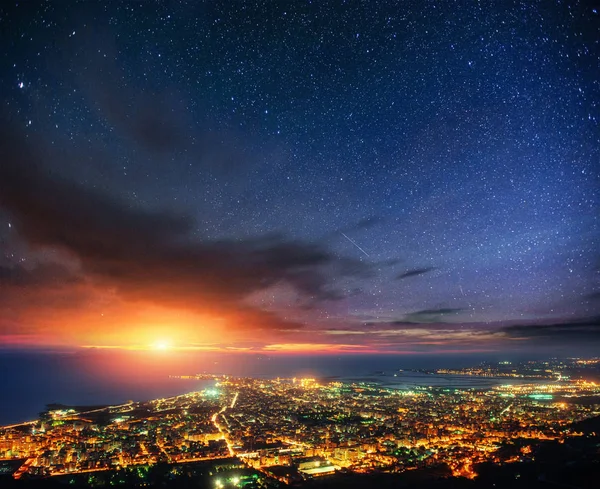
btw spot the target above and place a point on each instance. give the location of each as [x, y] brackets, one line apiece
[314, 428]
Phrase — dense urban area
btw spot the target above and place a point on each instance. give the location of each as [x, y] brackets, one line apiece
[251, 432]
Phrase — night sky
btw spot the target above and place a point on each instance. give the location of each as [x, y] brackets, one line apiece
[300, 176]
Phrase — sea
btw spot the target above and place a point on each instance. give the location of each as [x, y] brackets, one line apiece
[30, 380]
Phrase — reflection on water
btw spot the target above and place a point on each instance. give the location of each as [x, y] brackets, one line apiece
[410, 379]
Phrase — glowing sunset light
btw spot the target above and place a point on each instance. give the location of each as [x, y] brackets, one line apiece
[316, 348]
[161, 345]
[441, 220]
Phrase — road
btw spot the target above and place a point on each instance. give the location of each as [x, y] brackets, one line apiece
[235, 398]
[215, 421]
[24, 423]
[23, 468]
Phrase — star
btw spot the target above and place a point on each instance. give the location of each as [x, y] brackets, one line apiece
[179, 192]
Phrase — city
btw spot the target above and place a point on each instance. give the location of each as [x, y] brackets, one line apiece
[265, 432]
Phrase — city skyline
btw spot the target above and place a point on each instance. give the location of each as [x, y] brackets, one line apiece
[445, 424]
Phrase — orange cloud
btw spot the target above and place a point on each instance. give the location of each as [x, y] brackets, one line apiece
[107, 273]
[316, 348]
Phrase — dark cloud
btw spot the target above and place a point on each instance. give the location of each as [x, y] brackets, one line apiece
[366, 223]
[150, 255]
[149, 121]
[41, 274]
[446, 310]
[414, 272]
[361, 225]
[588, 330]
[433, 317]
[154, 120]
[430, 315]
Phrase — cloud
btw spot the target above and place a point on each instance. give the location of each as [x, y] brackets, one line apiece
[41, 274]
[414, 272]
[366, 223]
[313, 348]
[587, 330]
[150, 255]
[158, 122]
[154, 121]
[430, 315]
[360, 225]
[406, 337]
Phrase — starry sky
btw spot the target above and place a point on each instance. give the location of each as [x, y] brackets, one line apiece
[293, 176]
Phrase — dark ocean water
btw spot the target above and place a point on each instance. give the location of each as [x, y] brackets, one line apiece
[30, 380]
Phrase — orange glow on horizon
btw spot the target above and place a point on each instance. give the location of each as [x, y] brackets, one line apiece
[316, 348]
[162, 345]
[109, 323]
[158, 346]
